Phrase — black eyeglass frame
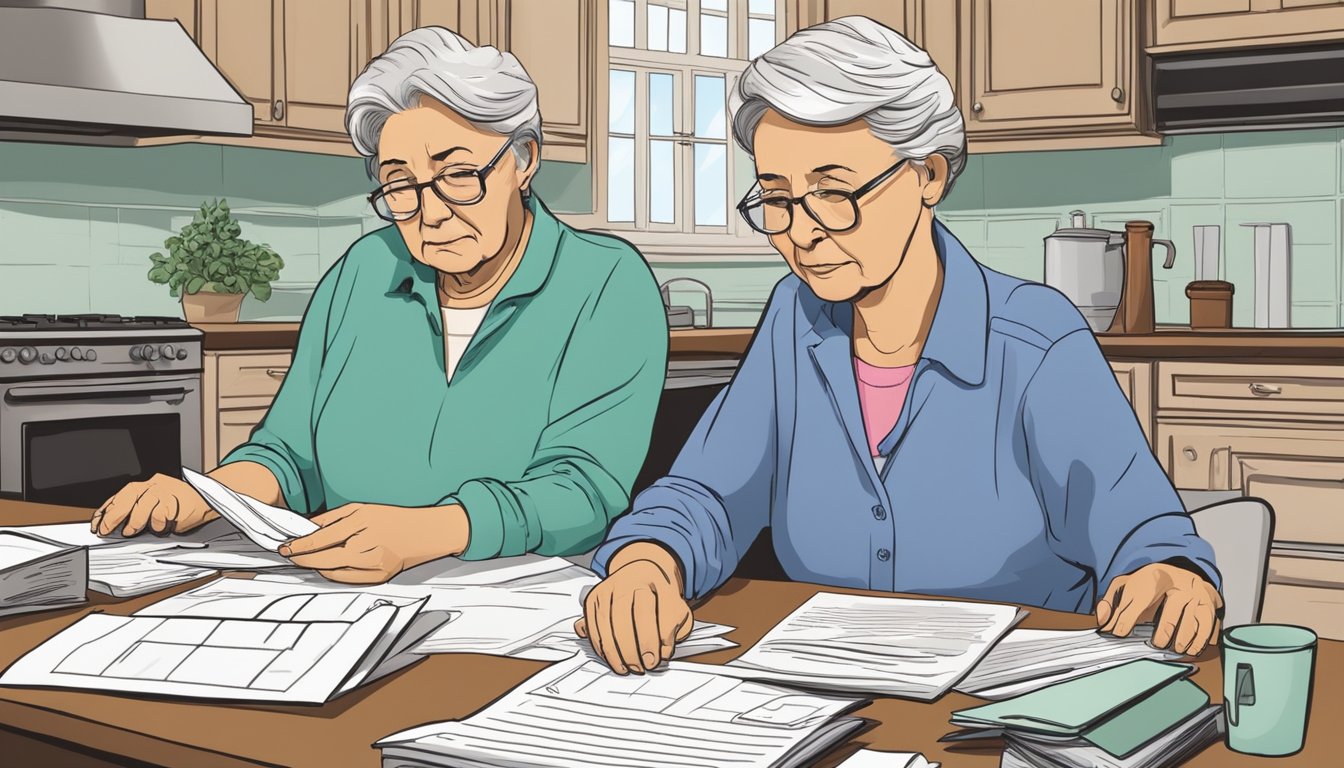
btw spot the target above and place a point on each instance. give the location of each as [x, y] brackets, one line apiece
[757, 199]
[419, 187]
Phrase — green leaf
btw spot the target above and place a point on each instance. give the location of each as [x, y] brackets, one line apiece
[262, 291]
[196, 284]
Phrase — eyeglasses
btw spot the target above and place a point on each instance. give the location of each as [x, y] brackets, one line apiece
[401, 200]
[836, 210]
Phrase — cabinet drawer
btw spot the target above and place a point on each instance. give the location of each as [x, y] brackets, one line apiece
[1309, 511]
[235, 427]
[1251, 389]
[1306, 592]
[1214, 456]
[251, 376]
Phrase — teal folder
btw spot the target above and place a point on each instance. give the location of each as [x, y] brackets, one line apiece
[1118, 709]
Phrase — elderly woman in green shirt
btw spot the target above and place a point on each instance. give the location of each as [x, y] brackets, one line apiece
[478, 380]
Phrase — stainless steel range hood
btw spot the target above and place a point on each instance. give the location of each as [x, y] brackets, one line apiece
[98, 72]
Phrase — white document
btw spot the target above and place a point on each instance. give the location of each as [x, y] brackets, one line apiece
[891, 646]
[74, 534]
[1028, 659]
[226, 640]
[704, 638]
[16, 550]
[578, 713]
[264, 524]
[871, 758]
[232, 551]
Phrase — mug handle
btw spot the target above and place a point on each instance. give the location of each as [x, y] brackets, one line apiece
[1243, 695]
[1171, 252]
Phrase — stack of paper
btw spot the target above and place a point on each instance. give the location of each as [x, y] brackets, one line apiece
[871, 758]
[579, 713]
[37, 574]
[219, 641]
[1029, 659]
[1166, 751]
[890, 646]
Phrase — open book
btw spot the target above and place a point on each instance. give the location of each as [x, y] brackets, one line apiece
[579, 713]
[214, 643]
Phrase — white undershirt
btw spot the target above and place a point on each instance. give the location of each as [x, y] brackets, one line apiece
[459, 326]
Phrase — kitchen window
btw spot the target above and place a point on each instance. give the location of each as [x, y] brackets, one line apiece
[668, 162]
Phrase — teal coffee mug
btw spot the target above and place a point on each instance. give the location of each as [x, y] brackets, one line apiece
[1267, 676]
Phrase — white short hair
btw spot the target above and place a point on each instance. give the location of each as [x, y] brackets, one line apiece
[487, 87]
[851, 68]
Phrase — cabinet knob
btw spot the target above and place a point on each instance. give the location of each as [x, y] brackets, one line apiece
[1117, 94]
[977, 107]
[1190, 453]
[278, 110]
[277, 373]
[1264, 390]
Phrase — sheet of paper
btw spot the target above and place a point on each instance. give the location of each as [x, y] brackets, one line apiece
[74, 534]
[872, 758]
[16, 550]
[267, 526]
[704, 638]
[886, 645]
[232, 551]
[579, 712]
[1029, 659]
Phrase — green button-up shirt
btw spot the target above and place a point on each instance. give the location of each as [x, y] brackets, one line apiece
[545, 423]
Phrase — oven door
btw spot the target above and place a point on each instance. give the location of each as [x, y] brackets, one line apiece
[78, 441]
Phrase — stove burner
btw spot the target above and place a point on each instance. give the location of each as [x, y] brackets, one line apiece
[88, 323]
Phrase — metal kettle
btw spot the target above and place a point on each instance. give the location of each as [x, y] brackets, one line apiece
[1095, 268]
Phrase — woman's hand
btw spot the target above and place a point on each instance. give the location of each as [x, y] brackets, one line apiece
[1185, 604]
[371, 543]
[161, 504]
[636, 615]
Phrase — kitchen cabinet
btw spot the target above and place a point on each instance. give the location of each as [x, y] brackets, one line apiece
[184, 12]
[1211, 24]
[555, 42]
[322, 49]
[1136, 382]
[237, 388]
[471, 19]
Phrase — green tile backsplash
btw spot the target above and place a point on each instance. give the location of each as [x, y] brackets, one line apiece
[78, 223]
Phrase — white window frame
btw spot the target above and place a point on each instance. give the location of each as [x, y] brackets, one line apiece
[734, 238]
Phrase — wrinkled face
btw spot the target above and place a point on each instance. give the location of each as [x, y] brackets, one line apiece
[794, 159]
[431, 140]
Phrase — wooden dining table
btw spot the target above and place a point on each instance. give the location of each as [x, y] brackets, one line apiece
[76, 729]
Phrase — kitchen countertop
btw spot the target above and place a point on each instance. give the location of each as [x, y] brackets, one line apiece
[1172, 343]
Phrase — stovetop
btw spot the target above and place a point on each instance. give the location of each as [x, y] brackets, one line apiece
[88, 322]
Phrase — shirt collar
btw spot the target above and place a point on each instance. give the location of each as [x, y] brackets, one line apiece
[959, 337]
[411, 277]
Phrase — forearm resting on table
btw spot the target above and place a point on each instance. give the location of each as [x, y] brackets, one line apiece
[654, 553]
[250, 479]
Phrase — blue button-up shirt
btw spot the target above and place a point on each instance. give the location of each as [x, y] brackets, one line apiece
[1017, 471]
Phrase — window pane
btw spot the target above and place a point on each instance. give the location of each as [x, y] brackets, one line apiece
[713, 35]
[761, 7]
[660, 104]
[714, 5]
[760, 36]
[621, 23]
[620, 179]
[709, 107]
[711, 185]
[657, 28]
[676, 30]
[622, 95]
[662, 182]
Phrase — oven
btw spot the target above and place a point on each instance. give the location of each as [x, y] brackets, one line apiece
[83, 414]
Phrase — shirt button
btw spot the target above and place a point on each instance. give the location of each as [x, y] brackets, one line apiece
[884, 555]
[879, 512]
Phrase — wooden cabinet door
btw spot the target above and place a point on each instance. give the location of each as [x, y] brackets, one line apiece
[468, 18]
[554, 41]
[236, 426]
[1232, 22]
[184, 12]
[1221, 456]
[1136, 381]
[239, 37]
[322, 54]
[897, 14]
[1049, 64]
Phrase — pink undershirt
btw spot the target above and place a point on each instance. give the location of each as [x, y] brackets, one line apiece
[881, 397]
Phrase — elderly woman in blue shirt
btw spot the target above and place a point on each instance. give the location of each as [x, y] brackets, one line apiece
[905, 418]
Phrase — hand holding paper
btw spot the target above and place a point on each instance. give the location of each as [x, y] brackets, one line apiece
[267, 526]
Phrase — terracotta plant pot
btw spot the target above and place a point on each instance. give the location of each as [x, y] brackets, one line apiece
[208, 307]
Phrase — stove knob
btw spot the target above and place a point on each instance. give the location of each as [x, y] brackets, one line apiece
[181, 353]
[90, 354]
[135, 353]
[62, 354]
[167, 351]
[27, 355]
[8, 355]
[76, 353]
[149, 352]
[47, 359]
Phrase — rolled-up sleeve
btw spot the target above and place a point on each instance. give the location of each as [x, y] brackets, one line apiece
[716, 500]
[1109, 507]
[283, 441]
[603, 404]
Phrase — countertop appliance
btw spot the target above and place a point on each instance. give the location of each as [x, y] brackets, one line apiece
[89, 403]
[99, 72]
[682, 316]
[1101, 272]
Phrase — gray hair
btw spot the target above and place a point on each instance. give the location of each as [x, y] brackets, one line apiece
[848, 68]
[487, 87]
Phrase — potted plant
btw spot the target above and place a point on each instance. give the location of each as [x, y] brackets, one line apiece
[212, 269]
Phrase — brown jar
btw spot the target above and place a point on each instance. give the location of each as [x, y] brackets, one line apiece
[1210, 303]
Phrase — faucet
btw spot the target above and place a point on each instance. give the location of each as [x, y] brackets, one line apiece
[709, 298]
